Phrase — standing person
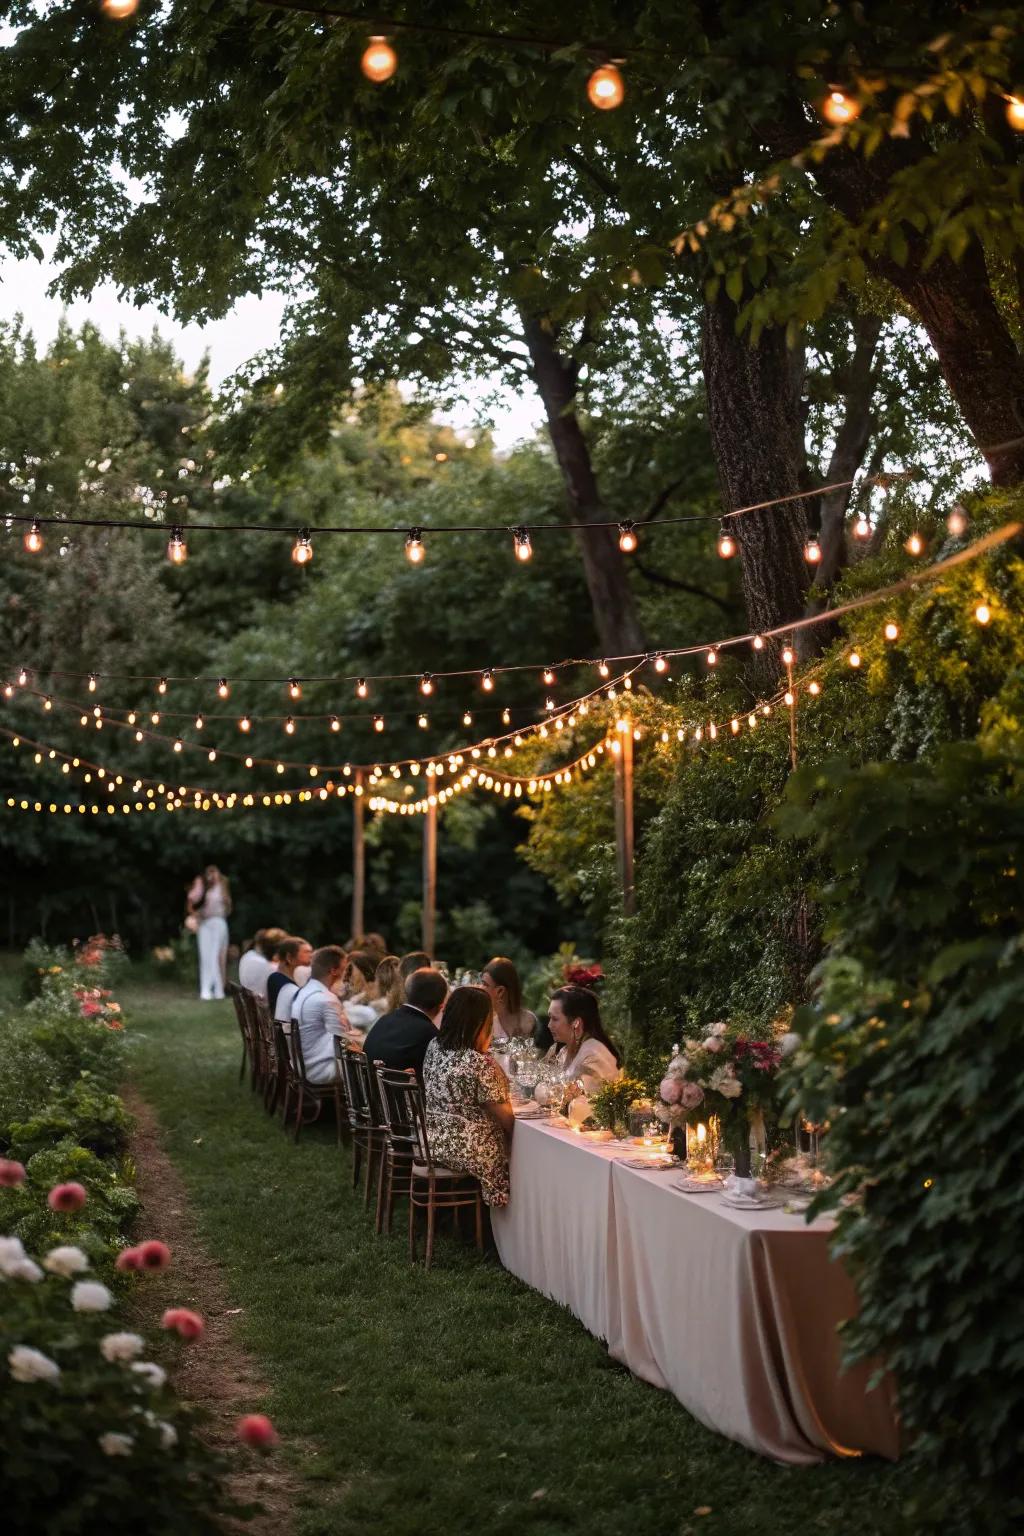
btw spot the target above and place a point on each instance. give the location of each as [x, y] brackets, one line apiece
[511, 1020]
[209, 905]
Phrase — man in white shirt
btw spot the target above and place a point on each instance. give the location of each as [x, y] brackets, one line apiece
[257, 963]
[318, 1014]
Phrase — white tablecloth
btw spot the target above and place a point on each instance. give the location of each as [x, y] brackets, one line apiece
[735, 1312]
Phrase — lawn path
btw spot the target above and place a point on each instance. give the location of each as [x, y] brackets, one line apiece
[459, 1401]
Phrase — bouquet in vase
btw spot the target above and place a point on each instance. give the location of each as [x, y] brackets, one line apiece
[728, 1075]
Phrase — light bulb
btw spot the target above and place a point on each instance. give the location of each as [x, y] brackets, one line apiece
[712, 658]
[289, 726]
[854, 658]
[48, 702]
[177, 549]
[92, 682]
[199, 722]
[812, 550]
[487, 681]
[506, 717]
[838, 108]
[22, 678]
[361, 688]
[549, 704]
[726, 543]
[862, 528]
[335, 723]
[302, 549]
[294, 688]
[161, 686]
[605, 88]
[957, 522]
[211, 756]
[132, 717]
[154, 718]
[523, 547]
[915, 544]
[758, 642]
[788, 657]
[414, 550]
[120, 10]
[245, 724]
[427, 684]
[892, 631]
[378, 722]
[1015, 112]
[223, 689]
[983, 613]
[379, 60]
[178, 744]
[422, 722]
[548, 676]
[33, 540]
[660, 664]
[627, 538]
[604, 669]
[814, 688]
[467, 718]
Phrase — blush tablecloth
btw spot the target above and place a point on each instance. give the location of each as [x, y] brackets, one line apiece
[734, 1312]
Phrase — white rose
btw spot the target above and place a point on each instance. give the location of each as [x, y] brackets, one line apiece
[116, 1445]
[168, 1435]
[11, 1252]
[90, 1296]
[31, 1365]
[66, 1261]
[121, 1346]
[789, 1043]
[152, 1375]
[24, 1269]
[712, 1044]
[724, 1082]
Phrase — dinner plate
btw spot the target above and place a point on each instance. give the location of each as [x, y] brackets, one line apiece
[698, 1186]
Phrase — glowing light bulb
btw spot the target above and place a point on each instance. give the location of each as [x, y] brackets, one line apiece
[506, 717]
[814, 689]
[33, 540]
[379, 60]
[335, 723]
[427, 684]
[245, 724]
[294, 688]
[487, 680]
[812, 550]
[178, 744]
[521, 544]
[161, 686]
[604, 669]
[467, 718]
[120, 10]
[758, 642]
[660, 664]
[549, 704]
[712, 658]
[48, 702]
[422, 722]
[92, 682]
[915, 544]
[838, 108]
[177, 549]
[892, 631]
[854, 659]
[414, 550]
[223, 690]
[983, 613]
[361, 688]
[548, 676]
[378, 722]
[957, 522]
[302, 549]
[627, 538]
[154, 718]
[1015, 112]
[862, 528]
[289, 726]
[788, 657]
[22, 678]
[199, 722]
[726, 543]
[605, 88]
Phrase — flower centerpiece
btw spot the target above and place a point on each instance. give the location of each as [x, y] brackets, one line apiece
[729, 1074]
[613, 1101]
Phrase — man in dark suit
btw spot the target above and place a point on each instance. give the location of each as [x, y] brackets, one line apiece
[400, 1039]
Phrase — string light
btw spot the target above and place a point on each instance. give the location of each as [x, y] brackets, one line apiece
[33, 540]
[605, 88]
[915, 544]
[289, 726]
[379, 60]
[154, 718]
[120, 10]
[378, 722]
[161, 686]
[854, 659]
[427, 684]
[712, 658]
[223, 690]
[335, 723]
[92, 682]
[548, 676]
[245, 724]
[758, 642]
[199, 722]
[726, 543]
[178, 744]
[177, 549]
[838, 108]
[48, 703]
[814, 689]
[467, 718]
[862, 528]
[361, 688]
[521, 544]
[506, 718]
[788, 656]
[487, 680]
[660, 664]
[812, 550]
[892, 631]
[1015, 112]
[983, 613]
[294, 688]
[422, 722]
[604, 669]
[302, 549]
[627, 538]
[549, 705]
[414, 550]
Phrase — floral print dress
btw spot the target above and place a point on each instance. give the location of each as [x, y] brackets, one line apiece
[463, 1137]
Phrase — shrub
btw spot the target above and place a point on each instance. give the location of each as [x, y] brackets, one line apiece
[98, 1227]
[86, 1114]
[39, 961]
[914, 1055]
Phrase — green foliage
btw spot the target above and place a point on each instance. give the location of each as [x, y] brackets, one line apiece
[611, 1103]
[913, 1054]
[85, 1114]
[39, 961]
[98, 1228]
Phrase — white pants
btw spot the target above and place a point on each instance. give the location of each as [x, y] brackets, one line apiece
[213, 943]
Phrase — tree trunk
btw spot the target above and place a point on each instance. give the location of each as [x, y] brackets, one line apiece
[848, 453]
[604, 568]
[756, 423]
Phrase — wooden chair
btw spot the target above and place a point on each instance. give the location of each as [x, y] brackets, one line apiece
[369, 1133]
[408, 1159]
[234, 991]
[312, 1095]
[257, 1065]
[272, 1045]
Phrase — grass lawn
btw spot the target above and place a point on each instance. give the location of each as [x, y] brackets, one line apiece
[425, 1404]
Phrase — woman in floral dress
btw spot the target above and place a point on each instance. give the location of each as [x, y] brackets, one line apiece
[469, 1116]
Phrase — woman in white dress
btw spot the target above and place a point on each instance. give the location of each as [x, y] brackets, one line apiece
[582, 1049]
[209, 904]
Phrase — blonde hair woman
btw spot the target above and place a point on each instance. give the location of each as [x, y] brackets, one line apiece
[209, 905]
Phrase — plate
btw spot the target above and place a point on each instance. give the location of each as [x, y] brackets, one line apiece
[690, 1186]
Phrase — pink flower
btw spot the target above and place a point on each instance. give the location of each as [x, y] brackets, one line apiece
[184, 1322]
[256, 1429]
[11, 1173]
[713, 1043]
[66, 1197]
[670, 1090]
[90, 1010]
[153, 1254]
[691, 1095]
[128, 1258]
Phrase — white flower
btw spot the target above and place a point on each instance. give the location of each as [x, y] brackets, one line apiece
[31, 1365]
[11, 1252]
[113, 1444]
[66, 1261]
[121, 1346]
[90, 1296]
[713, 1044]
[717, 1029]
[724, 1081]
[24, 1269]
[168, 1435]
[789, 1043]
[152, 1375]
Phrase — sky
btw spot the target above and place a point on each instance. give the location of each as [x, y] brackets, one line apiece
[252, 326]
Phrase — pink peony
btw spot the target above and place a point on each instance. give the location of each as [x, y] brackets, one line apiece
[66, 1197]
[11, 1173]
[128, 1258]
[184, 1322]
[153, 1254]
[256, 1429]
[691, 1095]
[712, 1043]
[670, 1090]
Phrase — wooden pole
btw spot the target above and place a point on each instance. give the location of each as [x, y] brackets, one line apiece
[429, 877]
[624, 816]
[358, 861]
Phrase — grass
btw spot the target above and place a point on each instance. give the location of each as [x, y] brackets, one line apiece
[457, 1401]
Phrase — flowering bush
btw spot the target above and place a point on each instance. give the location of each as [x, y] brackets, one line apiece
[94, 1439]
[729, 1073]
[103, 956]
[85, 1113]
[97, 1004]
[97, 1226]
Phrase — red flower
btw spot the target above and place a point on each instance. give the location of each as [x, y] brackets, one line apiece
[128, 1258]
[583, 975]
[184, 1322]
[256, 1429]
[66, 1197]
[11, 1173]
[154, 1254]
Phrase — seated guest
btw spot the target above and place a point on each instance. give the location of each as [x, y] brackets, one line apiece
[374, 944]
[358, 989]
[582, 1049]
[317, 1014]
[469, 1117]
[511, 1020]
[283, 983]
[258, 962]
[400, 1039]
[389, 984]
[419, 960]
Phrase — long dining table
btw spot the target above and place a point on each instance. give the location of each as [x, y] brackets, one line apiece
[735, 1311]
